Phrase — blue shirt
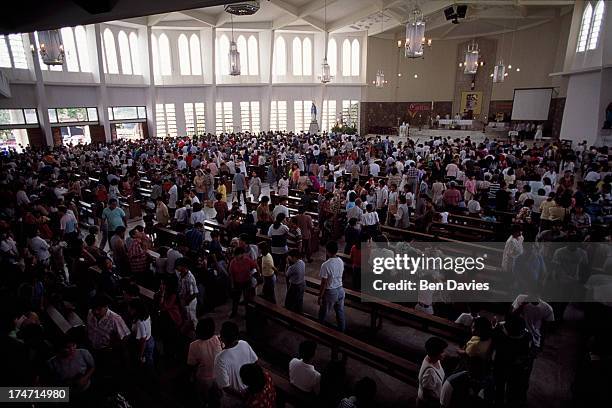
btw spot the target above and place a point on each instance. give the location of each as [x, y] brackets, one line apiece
[114, 218]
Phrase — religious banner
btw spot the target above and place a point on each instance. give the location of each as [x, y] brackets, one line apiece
[471, 102]
[415, 108]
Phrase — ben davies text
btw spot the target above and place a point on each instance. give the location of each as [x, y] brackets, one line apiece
[423, 284]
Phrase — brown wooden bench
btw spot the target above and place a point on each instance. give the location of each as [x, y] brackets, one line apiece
[87, 214]
[338, 342]
[452, 230]
[165, 236]
[379, 308]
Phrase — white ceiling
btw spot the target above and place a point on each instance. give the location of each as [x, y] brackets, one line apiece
[484, 17]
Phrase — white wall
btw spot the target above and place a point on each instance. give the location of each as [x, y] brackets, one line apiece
[59, 96]
[538, 51]
[23, 96]
[126, 96]
[581, 114]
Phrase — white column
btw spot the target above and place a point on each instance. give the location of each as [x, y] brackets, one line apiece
[211, 121]
[148, 73]
[103, 93]
[41, 96]
[267, 96]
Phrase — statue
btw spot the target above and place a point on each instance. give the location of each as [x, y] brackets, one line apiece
[313, 112]
[403, 130]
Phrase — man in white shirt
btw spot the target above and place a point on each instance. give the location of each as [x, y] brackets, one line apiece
[281, 208]
[172, 198]
[431, 373]
[40, 248]
[187, 290]
[302, 374]
[235, 354]
[21, 197]
[374, 169]
[331, 293]
[535, 312]
[512, 249]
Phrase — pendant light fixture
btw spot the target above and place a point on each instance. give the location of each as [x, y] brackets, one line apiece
[500, 69]
[415, 35]
[234, 55]
[470, 64]
[380, 82]
[325, 70]
[50, 47]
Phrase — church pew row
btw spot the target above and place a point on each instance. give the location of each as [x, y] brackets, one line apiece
[338, 342]
[379, 308]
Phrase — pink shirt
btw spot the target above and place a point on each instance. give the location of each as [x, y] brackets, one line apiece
[202, 355]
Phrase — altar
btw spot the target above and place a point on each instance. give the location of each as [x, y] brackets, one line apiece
[463, 123]
[498, 126]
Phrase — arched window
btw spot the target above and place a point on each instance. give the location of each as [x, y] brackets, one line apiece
[72, 59]
[596, 26]
[355, 58]
[307, 61]
[346, 58]
[183, 49]
[134, 53]
[332, 56]
[155, 54]
[196, 59]
[584, 28]
[242, 49]
[297, 57]
[82, 46]
[110, 51]
[253, 56]
[164, 55]
[280, 57]
[124, 52]
[223, 55]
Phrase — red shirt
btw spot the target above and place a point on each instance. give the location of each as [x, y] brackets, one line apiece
[240, 269]
[266, 398]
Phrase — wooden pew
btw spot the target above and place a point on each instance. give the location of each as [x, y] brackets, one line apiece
[462, 231]
[59, 320]
[144, 292]
[87, 214]
[476, 222]
[379, 308]
[339, 343]
[165, 236]
[214, 225]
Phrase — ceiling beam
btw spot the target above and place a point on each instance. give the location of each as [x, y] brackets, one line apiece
[303, 13]
[352, 18]
[289, 8]
[264, 25]
[223, 18]
[152, 20]
[449, 30]
[283, 21]
[187, 23]
[200, 16]
[314, 6]
[318, 24]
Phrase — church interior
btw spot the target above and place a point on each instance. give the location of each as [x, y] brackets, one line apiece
[306, 203]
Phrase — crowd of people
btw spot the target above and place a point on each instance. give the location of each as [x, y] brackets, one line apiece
[68, 242]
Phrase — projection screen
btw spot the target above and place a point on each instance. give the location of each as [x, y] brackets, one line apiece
[531, 104]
